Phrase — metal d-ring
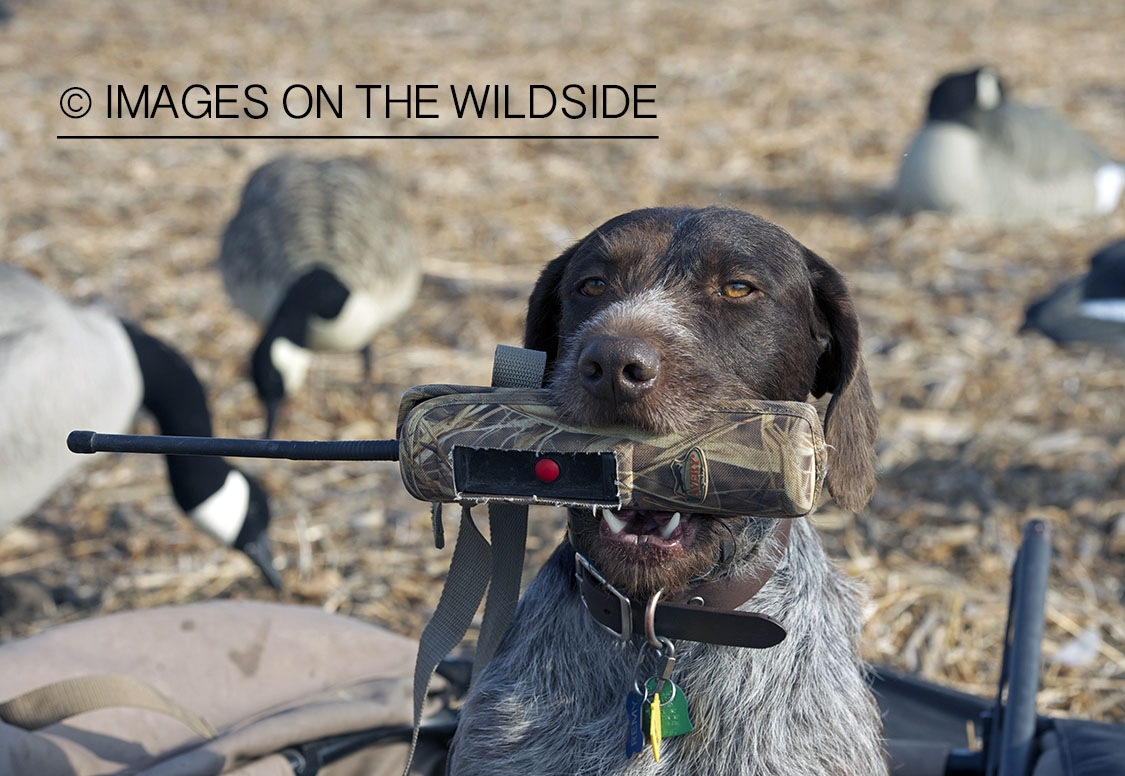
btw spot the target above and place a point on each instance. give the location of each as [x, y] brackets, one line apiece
[667, 656]
[650, 615]
[667, 660]
[659, 687]
[642, 691]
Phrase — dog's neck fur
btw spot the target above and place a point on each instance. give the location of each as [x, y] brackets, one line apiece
[552, 701]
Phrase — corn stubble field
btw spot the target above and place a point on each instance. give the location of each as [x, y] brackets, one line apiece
[796, 111]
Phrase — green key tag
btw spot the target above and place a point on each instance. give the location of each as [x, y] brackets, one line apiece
[674, 719]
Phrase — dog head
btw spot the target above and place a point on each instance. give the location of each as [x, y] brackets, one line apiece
[660, 313]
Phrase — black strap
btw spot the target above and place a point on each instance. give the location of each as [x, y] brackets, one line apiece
[675, 621]
[713, 621]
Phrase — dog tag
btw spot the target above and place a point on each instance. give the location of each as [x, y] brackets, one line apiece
[654, 733]
[674, 719]
[635, 727]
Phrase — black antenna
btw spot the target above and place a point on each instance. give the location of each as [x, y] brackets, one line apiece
[353, 450]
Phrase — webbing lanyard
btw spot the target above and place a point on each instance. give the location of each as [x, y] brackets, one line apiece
[475, 564]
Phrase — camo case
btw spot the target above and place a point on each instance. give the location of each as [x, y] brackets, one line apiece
[762, 458]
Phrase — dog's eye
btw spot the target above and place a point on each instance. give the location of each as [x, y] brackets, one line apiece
[593, 287]
[736, 290]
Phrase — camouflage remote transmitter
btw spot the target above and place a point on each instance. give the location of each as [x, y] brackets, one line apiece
[473, 444]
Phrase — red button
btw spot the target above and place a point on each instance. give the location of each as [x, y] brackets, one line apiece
[546, 470]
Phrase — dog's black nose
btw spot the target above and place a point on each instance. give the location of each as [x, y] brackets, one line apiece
[618, 368]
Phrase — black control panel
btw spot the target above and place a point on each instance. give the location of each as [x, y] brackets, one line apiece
[570, 476]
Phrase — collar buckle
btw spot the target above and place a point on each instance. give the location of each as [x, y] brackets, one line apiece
[583, 568]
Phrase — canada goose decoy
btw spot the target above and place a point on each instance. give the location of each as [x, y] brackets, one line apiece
[64, 368]
[1090, 308]
[321, 256]
[980, 154]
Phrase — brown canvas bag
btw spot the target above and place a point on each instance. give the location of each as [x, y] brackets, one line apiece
[265, 676]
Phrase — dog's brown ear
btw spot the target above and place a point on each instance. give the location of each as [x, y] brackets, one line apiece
[850, 422]
[541, 330]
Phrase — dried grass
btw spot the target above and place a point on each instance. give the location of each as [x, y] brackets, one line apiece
[797, 111]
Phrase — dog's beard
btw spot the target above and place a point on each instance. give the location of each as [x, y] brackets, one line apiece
[638, 559]
[703, 546]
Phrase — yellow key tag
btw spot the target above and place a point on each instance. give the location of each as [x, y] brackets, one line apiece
[654, 726]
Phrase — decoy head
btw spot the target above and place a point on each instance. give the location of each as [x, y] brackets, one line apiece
[278, 368]
[1031, 316]
[958, 96]
[281, 361]
[254, 539]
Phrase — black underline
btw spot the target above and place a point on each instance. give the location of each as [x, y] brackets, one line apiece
[357, 137]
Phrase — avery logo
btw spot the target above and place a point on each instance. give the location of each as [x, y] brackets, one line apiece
[690, 472]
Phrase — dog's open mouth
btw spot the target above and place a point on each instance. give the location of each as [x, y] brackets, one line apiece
[640, 551]
[648, 529]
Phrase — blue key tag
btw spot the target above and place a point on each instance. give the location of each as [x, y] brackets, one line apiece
[634, 720]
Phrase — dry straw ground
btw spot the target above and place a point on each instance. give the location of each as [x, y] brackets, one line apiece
[797, 111]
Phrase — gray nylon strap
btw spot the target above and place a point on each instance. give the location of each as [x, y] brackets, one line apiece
[463, 591]
[507, 525]
[474, 563]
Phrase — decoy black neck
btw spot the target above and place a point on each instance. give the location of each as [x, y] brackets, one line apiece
[963, 97]
[1106, 279]
[173, 395]
[317, 292]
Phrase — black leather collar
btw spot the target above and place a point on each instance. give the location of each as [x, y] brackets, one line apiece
[704, 612]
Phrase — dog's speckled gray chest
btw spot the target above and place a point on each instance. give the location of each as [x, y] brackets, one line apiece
[552, 701]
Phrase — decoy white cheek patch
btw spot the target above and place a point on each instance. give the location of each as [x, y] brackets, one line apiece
[988, 90]
[292, 361]
[1109, 182]
[1104, 309]
[224, 511]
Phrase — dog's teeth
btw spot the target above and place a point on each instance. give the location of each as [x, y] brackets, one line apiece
[670, 526]
[616, 524]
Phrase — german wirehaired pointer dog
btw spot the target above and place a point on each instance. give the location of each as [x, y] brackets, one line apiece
[654, 315]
